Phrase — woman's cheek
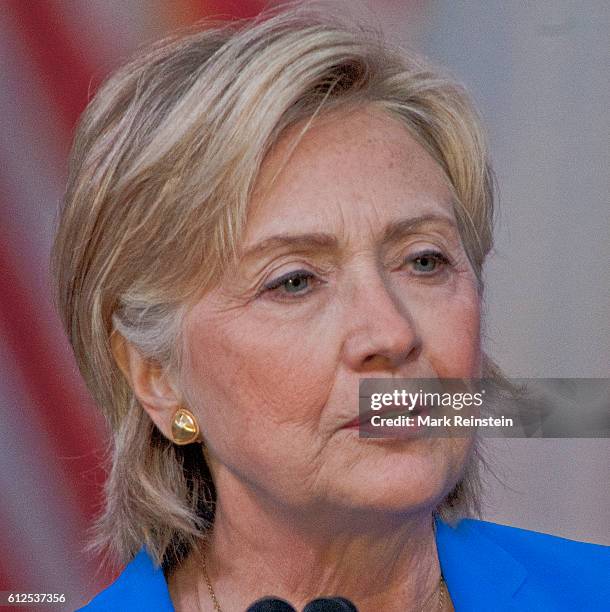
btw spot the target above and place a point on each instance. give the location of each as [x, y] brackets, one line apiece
[451, 336]
[278, 372]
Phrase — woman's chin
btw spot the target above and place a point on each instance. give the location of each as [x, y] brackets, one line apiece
[404, 481]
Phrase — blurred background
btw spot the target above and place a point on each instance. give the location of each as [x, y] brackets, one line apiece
[538, 73]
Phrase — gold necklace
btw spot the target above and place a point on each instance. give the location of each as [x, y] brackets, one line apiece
[441, 590]
[441, 595]
[441, 598]
[217, 607]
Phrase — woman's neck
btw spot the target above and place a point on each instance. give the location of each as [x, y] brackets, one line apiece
[381, 562]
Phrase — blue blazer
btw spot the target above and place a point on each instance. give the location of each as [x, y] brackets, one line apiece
[487, 568]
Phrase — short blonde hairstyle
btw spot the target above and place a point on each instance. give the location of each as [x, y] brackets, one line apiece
[164, 161]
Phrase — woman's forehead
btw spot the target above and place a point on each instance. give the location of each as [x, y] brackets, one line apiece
[347, 173]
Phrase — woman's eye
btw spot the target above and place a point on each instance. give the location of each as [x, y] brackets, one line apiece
[429, 262]
[292, 283]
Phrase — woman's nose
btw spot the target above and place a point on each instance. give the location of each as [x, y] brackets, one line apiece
[380, 332]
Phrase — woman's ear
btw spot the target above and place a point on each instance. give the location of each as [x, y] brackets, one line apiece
[149, 382]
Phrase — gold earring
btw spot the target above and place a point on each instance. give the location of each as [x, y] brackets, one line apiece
[185, 429]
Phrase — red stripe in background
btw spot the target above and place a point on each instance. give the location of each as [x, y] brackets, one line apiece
[233, 9]
[64, 413]
[60, 400]
[62, 67]
[181, 13]
[62, 404]
[11, 577]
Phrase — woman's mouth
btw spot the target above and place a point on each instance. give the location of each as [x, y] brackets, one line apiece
[390, 422]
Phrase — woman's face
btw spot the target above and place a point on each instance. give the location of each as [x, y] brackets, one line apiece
[332, 287]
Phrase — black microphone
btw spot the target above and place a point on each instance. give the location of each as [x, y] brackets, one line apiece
[330, 604]
[270, 604]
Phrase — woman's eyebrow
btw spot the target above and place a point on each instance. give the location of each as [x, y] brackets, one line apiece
[323, 242]
[315, 241]
[397, 230]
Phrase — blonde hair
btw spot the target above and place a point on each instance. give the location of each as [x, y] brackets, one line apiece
[164, 160]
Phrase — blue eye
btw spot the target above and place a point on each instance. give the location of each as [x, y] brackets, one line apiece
[429, 262]
[296, 282]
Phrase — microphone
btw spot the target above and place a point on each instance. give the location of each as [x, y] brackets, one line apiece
[322, 604]
[330, 604]
[270, 604]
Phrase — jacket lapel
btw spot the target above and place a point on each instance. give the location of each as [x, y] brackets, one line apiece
[480, 574]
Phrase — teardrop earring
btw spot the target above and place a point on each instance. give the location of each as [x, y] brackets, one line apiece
[185, 429]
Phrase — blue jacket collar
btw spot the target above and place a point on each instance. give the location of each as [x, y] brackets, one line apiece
[478, 572]
[140, 587]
